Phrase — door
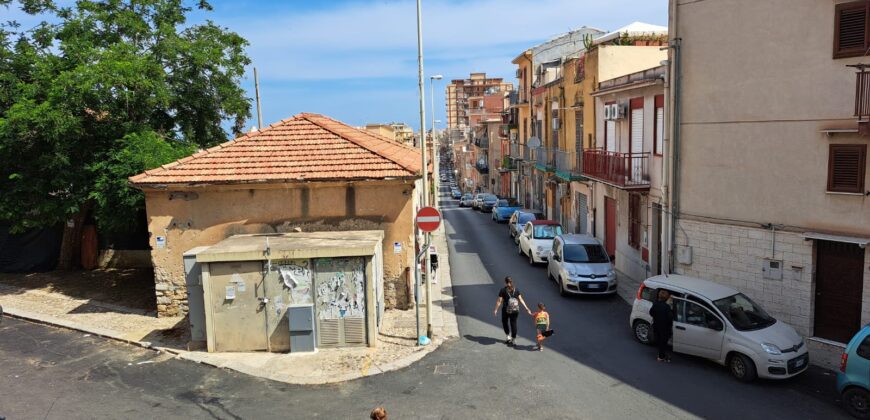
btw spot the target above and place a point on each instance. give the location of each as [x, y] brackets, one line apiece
[697, 331]
[582, 214]
[235, 294]
[839, 286]
[656, 239]
[636, 139]
[610, 227]
[340, 301]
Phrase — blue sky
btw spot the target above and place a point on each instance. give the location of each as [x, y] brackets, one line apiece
[356, 60]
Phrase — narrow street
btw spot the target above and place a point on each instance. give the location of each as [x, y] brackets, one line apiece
[591, 368]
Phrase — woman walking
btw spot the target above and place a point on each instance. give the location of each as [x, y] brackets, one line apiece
[663, 323]
[510, 298]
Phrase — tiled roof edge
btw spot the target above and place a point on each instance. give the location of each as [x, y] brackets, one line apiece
[313, 119]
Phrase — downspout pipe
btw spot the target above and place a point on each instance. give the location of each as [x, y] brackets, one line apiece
[676, 44]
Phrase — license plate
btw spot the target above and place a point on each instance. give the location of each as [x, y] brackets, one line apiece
[594, 286]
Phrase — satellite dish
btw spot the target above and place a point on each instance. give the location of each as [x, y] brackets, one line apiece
[534, 142]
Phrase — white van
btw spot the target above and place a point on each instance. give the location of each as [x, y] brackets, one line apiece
[721, 324]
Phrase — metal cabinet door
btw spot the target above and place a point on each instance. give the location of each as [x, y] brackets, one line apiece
[238, 324]
[340, 301]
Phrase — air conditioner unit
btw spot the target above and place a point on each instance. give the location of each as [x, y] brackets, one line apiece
[607, 112]
[618, 111]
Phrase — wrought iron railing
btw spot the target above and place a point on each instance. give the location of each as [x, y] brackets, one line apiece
[624, 170]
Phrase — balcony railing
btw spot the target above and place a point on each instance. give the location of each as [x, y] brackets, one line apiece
[862, 94]
[515, 151]
[623, 170]
[545, 157]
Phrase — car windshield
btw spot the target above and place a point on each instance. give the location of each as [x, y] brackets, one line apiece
[524, 218]
[547, 231]
[592, 253]
[490, 197]
[743, 313]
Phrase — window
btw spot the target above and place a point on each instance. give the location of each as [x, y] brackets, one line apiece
[743, 313]
[864, 348]
[580, 71]
[850, 29]
[847, 164]
[547, 231]
[634, 222]
[610, 133]
[636, 139]
[693, 314]
[591, 253]
[659, 130]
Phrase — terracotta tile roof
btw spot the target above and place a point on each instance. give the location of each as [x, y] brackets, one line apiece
[306, 147]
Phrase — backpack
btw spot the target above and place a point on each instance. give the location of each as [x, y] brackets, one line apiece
[513, 304]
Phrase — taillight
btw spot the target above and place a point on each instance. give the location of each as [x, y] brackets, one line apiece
[640, 291]
[843, 360]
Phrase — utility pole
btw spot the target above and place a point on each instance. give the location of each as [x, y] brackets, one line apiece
[425, 171]
[257, 94]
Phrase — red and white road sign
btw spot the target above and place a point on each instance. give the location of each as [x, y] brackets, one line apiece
[428, 219]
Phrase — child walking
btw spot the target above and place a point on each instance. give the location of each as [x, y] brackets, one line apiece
[542, 325]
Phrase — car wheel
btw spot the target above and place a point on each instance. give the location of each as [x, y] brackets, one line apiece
[857, 402]
[531, 258]
[562, 291]
[742, 368]
[519, 249]
[643, 332]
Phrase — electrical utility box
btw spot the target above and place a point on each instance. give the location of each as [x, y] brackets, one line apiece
[195, 300]
[301, 319]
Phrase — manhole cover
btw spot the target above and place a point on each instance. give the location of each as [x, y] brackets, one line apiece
[445, 370]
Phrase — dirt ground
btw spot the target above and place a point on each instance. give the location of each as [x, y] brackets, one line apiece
[133, 288]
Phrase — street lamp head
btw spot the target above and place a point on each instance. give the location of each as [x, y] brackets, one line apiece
[436, 77]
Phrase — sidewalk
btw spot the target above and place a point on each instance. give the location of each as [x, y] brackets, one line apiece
[396, 346]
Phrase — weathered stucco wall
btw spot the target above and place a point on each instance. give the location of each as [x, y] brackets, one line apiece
[204, 216]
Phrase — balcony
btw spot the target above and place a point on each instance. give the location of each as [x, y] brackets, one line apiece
[629, 171]
[516, 151]
[545, 158]
[481, 166]
[569, 165]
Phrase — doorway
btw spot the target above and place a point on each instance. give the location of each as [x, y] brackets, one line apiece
[610, 227]
[656, 241]
[839, 286]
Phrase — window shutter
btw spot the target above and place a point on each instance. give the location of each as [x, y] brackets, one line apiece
[850, 29]
[610, 135]
[847, 165]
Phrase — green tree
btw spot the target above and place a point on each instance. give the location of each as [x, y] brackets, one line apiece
[103, 90]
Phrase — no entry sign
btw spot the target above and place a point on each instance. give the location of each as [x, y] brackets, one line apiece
[428, 219]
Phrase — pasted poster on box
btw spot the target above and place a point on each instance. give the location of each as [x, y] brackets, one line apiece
[296, 275]
[340, 288]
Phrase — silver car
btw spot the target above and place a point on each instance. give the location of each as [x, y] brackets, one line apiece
[580, 265]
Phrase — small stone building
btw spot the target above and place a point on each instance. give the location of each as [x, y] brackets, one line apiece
[306, 173]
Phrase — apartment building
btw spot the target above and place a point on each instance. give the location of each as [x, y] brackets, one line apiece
[460, 91]
[770, 152]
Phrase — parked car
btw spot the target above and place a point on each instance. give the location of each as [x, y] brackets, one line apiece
[466, 200]
[519, 219]
[478, 198]
[487, 202]
[536, 239]
[853, 379]
[456, 194]
[504, 208]
[719, 323]
[578, 264]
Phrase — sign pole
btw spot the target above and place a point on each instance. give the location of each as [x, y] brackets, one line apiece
[428, 219]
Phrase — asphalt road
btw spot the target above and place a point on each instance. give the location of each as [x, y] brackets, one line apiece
[592, 368]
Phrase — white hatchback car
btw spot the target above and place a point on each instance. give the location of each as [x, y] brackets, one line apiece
[578, 264]
[536, 239]
[721, 324]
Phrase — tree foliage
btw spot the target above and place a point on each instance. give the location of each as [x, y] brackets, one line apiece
[103, 90]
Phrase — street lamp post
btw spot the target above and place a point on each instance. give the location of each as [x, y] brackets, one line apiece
[424, 253]
[435, 154]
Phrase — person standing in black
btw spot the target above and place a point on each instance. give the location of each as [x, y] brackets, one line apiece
[511, 297]
[663, 323]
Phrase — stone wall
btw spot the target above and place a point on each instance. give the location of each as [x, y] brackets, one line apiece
[186, 219]
[734, 256]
